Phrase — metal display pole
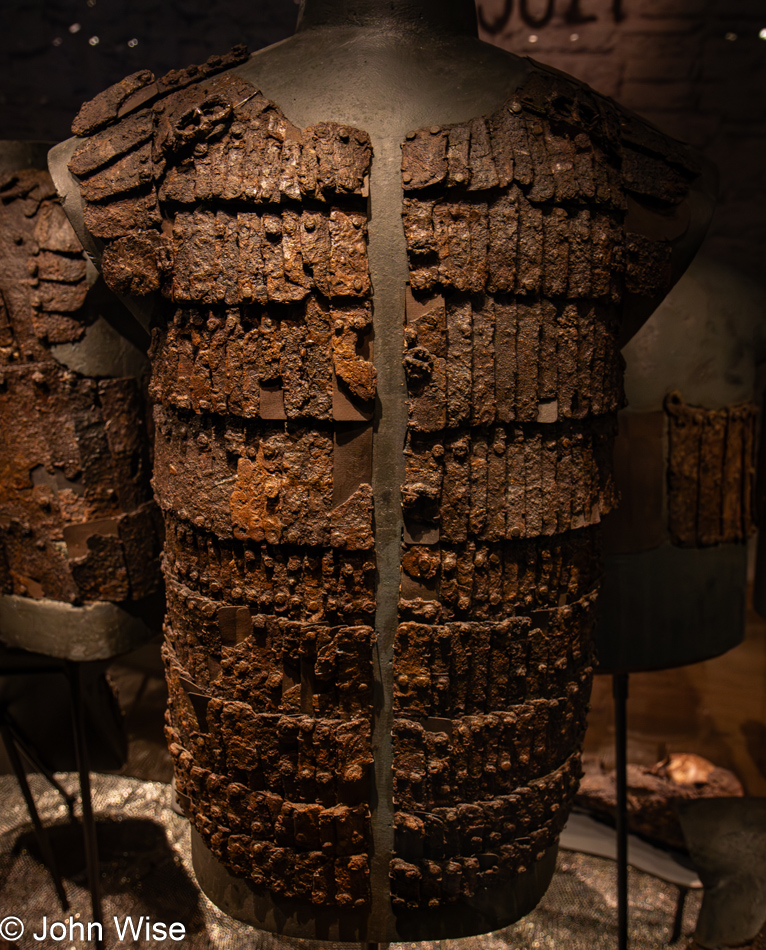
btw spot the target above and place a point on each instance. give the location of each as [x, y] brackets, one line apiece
[620, 694]
[73, 673]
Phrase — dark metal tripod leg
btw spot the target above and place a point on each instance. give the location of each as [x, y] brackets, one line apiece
[620, 694]
[73, 672]
[43, 841]
[39, 766]
[678, 920]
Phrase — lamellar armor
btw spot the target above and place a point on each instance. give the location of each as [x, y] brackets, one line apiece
[253, 234]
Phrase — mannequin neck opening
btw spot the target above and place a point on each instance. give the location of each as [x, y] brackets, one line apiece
[433, 16]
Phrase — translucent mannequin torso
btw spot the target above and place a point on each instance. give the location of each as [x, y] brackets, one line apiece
[704, 344]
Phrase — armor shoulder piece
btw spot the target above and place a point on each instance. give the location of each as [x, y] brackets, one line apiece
[537, 193]
[208, 164]
[141, 88]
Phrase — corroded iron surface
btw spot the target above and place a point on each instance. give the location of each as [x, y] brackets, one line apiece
[253, 233]
[520, 256]
[711, 472]
[77, 522]
[575, 912]
[654, 793]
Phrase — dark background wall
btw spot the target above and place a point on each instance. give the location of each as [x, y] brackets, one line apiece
[697, 68]
[55, 54]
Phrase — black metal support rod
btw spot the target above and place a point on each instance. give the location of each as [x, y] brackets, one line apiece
[73, 671]
[620, 694]
[678, 920]
[43, 841]
[38, 765]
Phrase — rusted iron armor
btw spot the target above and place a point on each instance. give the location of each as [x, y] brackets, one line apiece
[675, 553]
[254, 233]
[77, 519]
[711, 473]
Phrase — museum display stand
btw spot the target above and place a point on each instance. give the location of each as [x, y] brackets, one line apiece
[387, 269]
[685, 459]
[79, 575]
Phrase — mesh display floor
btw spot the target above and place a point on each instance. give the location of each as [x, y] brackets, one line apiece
[146, 871]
